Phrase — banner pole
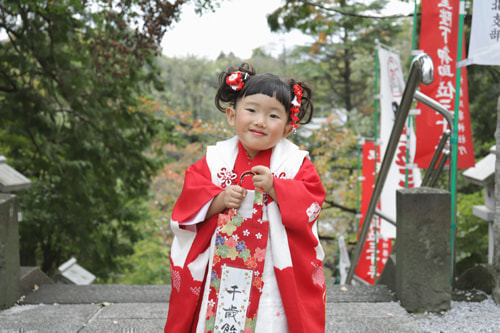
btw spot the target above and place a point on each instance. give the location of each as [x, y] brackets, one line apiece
[408, 136]
[358, 181]
[377, 102]
[414, 33]
[454, 139]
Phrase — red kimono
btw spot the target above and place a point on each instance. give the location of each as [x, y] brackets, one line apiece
[294, 255]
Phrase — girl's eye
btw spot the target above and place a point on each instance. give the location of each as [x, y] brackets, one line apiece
[250, 110]
[275, 116]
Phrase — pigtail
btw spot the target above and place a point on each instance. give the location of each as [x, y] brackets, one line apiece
[236, 82]
[230, 84]
[306, 108]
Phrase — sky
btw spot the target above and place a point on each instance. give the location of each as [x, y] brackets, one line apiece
[237, 26]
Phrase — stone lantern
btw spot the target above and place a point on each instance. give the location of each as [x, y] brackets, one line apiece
[483, 174]
[10, 181]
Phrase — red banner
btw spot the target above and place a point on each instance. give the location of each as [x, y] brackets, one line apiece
[439, 38]
[376, 250]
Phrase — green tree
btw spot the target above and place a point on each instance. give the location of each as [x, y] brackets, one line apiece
[183, 144]
[71, 76]
[191, 82]
[345, 34]
[190, 85]
[341, 65]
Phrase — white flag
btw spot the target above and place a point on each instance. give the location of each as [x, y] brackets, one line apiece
[484, 48]
[344, 262]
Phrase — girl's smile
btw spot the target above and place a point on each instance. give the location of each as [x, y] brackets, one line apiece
[259, 133]
[260, 122]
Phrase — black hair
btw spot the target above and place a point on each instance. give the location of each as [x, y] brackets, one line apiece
[267, 84]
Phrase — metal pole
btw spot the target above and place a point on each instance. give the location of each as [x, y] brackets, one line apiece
[358, 179]
[438, 107]
[385, 217]
[430, 170]
[440, 167]
[421, 70]
[377, 102]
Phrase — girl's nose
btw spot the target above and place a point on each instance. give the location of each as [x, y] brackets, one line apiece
[260, 120]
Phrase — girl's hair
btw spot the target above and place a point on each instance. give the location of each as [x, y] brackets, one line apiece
[267, 84]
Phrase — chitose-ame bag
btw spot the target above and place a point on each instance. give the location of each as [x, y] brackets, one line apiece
[237, 265]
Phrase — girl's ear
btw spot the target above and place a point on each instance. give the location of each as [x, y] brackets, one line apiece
[230, 114]
[288, 129]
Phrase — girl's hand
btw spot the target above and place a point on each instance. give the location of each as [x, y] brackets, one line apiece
[233, 196]
[263, 178]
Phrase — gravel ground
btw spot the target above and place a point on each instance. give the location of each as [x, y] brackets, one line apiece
[464, 316]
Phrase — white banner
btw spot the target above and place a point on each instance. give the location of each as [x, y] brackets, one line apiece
[392, 86]
[344, 261]
[484, 48]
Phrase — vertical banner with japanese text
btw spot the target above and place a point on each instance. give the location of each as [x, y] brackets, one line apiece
[401, 174]
[484, 47]
[438, 38]
[376, 249]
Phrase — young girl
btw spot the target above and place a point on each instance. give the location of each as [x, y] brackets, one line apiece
[246, 255]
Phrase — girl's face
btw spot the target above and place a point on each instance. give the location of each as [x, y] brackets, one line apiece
[260, 122]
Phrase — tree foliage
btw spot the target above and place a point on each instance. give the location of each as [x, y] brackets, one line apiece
[341, 66]
[333, 149]
[344, 35]
[80, 120]
[179, 144]
[191, 135]
[71, 77]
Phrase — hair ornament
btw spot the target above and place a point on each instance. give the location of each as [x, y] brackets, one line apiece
[295, 109]
[236, 80]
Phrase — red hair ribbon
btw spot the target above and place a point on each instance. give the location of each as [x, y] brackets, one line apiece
[236, 80]
[296, 102]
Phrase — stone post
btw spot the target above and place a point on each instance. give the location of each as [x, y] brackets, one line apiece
[423, 251]
[9, 251]
[496, 222]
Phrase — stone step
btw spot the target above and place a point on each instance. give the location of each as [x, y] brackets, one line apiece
[125, 308]
[32, 278]
[99, 293]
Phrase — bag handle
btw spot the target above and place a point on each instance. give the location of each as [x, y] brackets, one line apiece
[244, 174]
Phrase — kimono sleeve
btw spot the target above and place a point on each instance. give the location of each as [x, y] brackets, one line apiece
[300, 199]
[197, 194]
